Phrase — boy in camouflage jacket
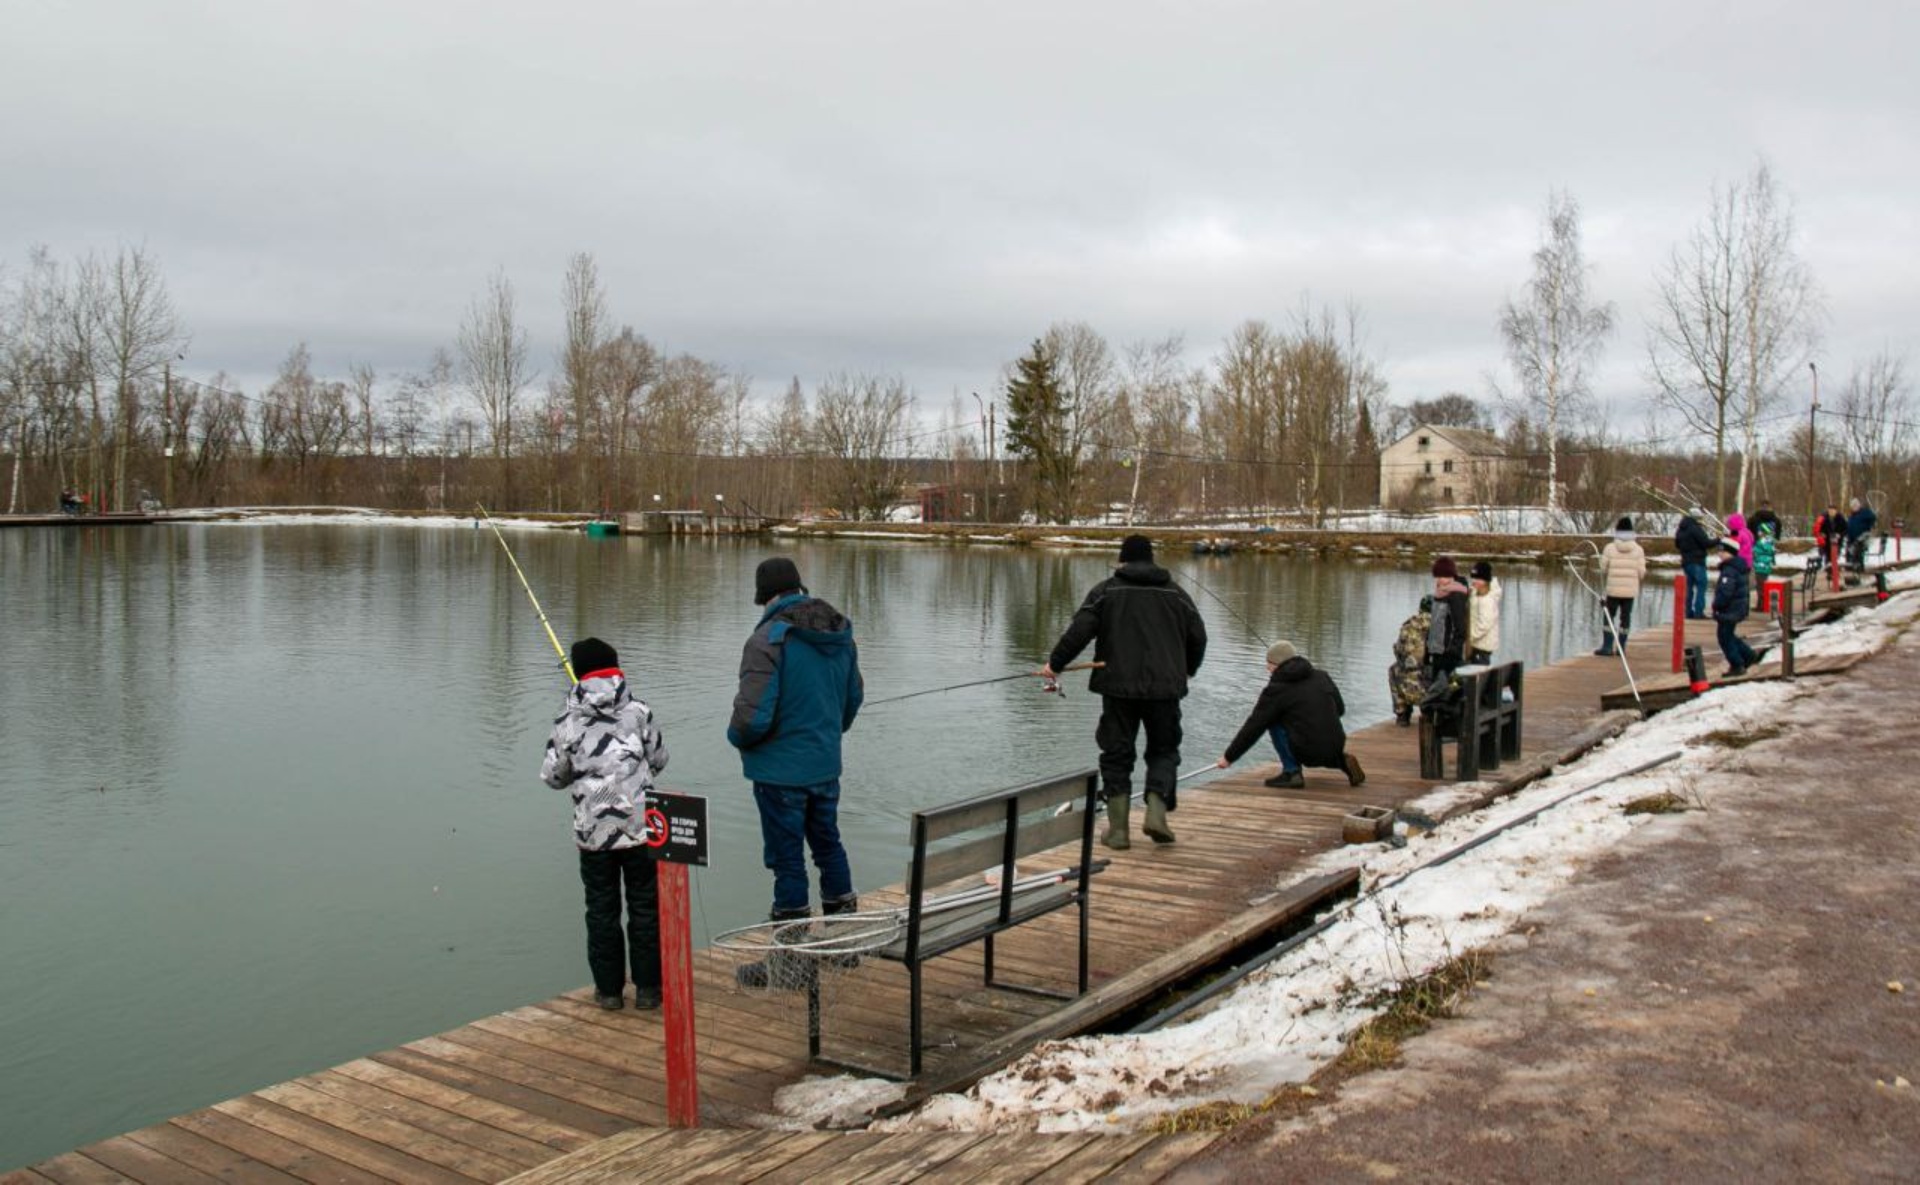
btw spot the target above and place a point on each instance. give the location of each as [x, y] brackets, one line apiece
[606, 750]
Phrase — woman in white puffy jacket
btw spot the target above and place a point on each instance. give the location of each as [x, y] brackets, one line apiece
[1483, 614]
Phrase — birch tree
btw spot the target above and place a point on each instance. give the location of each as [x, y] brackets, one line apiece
[1736, 314]
[1554, 332]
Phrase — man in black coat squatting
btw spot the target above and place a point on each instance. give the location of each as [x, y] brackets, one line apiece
[1147, 631]
[1299, 710]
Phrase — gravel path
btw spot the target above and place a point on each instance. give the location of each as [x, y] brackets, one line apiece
[1710, 1001]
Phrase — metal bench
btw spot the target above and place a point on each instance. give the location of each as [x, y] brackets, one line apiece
[1482, 719]
[959, 842]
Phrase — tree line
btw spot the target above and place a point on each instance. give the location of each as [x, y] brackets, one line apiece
[1286, 417]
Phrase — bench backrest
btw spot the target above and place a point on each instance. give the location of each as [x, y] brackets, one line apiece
[995, 830]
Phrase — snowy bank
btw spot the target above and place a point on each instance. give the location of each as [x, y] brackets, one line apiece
[1292, 1017]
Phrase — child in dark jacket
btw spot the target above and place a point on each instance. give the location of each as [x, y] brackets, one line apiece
[1299, 710]
[606, 750]
[1730, 594]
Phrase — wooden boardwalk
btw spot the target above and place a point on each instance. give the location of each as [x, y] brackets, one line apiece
[559, 1086]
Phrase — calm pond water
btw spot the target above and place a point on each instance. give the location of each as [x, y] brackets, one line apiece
[269, 795]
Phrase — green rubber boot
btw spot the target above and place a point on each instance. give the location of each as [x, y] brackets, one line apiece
[1156, 824]
[1118, 806]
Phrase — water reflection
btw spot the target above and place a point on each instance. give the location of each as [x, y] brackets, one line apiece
[270, 798]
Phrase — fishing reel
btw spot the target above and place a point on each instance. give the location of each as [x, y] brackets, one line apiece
[1051, 686]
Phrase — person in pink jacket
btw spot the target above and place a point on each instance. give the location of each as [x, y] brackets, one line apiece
[1737, 530]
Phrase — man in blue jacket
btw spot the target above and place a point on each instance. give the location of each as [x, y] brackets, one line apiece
[799, 691]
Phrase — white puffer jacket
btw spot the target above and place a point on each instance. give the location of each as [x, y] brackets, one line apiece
[1483, 618]
[1623, 565]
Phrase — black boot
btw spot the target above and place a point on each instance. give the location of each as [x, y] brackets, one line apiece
[780, 970]
[848, 904]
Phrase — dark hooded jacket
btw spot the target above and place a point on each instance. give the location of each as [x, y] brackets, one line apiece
[1304, 700]
[1692, 541]
[1860, 523]
[800, 689]
[1144, 627]
[1732, 589]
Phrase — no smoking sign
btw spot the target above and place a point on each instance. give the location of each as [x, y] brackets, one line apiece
[677, 827]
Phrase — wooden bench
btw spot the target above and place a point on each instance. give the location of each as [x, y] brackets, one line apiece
[1482, 719]
[953, 846]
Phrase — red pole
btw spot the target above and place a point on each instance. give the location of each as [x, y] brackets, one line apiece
[1679, 623]
[676, 989]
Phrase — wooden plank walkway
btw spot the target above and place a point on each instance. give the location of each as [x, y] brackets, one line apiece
[530, 1088]
[831, 1158]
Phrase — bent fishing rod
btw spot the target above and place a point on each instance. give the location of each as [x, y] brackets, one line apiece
[566, 664]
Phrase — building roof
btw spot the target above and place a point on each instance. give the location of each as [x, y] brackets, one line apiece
[1473, 441]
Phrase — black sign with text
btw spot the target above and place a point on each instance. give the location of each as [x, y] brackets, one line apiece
[677, 827]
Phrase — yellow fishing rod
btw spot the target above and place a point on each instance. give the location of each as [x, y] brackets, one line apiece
[565, 664]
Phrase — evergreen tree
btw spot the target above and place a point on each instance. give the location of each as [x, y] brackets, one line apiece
[1039, 415]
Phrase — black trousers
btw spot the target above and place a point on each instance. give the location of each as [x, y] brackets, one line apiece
[1120, 724]
[603, 874]
[1620, 609]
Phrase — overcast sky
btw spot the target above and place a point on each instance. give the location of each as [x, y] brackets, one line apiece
[798, 188]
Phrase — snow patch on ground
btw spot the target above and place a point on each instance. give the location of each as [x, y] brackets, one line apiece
[243, 516]
[1293, 1016]
[839, 1101]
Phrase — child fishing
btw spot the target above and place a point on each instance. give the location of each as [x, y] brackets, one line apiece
[606, 750]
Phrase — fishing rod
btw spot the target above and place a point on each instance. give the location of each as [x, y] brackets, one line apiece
[1078, 666]
[1613, 627]
[1650, 490]
[565, 663]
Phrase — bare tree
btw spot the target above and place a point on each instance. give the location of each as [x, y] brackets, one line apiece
[492, 348]
[1554, 332]
[584, 305]
[360, 384]
[857, 428]
[1875, 408]
[1736, 315]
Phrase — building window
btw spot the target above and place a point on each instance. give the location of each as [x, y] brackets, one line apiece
[1429, 468]
[1446, 466]
[1446, 492]
[1424, 440]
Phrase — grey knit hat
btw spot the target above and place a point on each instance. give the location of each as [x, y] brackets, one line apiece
[1280, 652]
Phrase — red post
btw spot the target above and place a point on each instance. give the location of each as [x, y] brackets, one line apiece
[1679, 623]
[676, 990]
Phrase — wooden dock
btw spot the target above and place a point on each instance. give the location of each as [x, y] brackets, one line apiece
[561, 1091]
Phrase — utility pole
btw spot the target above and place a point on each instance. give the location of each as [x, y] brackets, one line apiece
[1812, 411]
[986, 475]
[166, 437]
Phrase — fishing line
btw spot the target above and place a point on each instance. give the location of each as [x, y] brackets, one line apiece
[1238, 616]
[565, 663]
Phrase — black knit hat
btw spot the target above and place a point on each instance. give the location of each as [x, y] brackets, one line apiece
[1136, 549]
[591, 654]
[774, 577]
[1482, 570]
[1625, 524]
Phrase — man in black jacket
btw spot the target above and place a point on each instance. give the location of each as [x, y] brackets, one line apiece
[1693, 543]
[1147, 631]
[1299, 710]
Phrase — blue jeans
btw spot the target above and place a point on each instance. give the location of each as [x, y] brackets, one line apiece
[792, 820]
[1289, 764]
[1696, 588]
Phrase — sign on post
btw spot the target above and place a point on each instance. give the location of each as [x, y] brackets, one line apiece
[677, 828]
[677, 835]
